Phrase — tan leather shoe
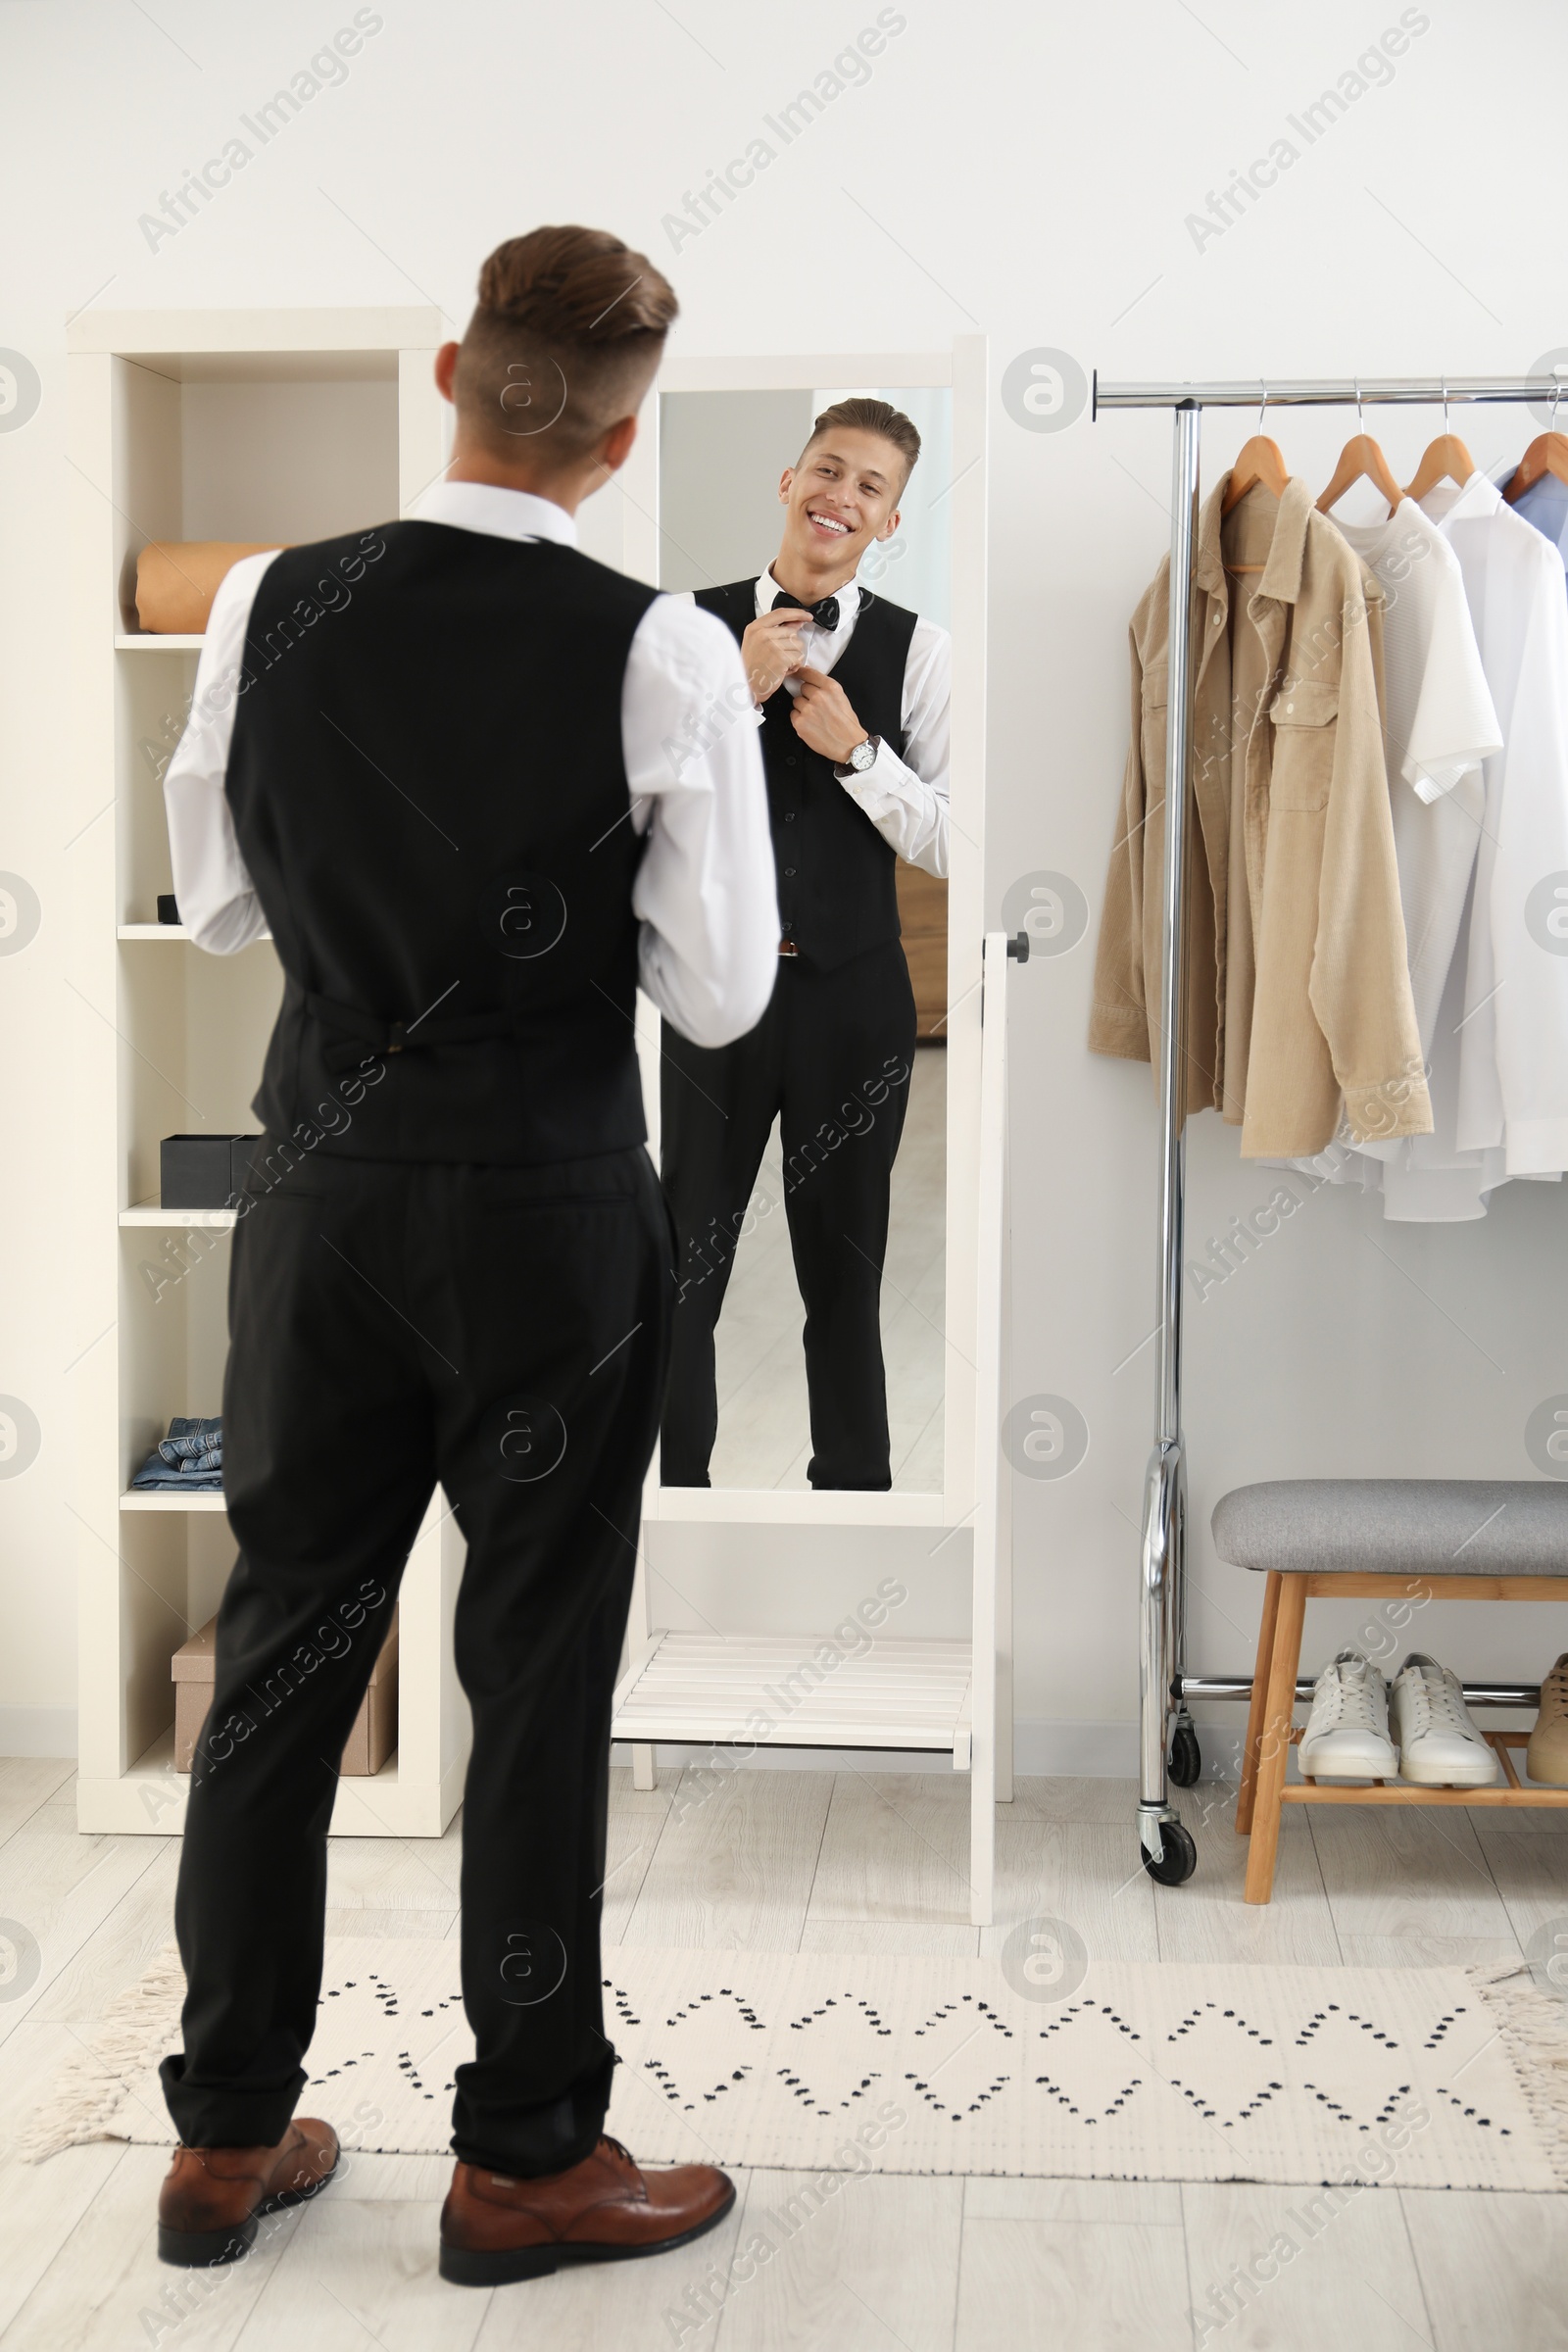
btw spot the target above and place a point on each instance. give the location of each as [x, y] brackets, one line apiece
[607, 2209]
[213, 2198]
[1546, 1757]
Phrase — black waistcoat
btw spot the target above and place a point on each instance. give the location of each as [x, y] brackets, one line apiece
[428, 789]
[836, 892]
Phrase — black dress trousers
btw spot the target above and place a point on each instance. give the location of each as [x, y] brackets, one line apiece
[504, 1330]
[831, 1059]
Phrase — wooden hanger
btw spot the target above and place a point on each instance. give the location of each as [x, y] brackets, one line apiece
[1446, 458]
[1547, 454]
[1360, 460]
[1259, 460]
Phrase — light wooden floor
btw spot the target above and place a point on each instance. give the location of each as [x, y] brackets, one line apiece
[810, 1861]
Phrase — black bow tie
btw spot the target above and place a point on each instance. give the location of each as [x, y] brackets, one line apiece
[825, 613]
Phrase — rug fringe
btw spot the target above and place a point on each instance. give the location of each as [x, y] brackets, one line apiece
[85, 2101]
[1534, 2029]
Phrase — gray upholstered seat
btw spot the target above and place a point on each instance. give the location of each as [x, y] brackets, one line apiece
[1398, 1526]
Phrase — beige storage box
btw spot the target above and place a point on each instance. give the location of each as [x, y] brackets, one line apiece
[375, 1726]
[177, 582]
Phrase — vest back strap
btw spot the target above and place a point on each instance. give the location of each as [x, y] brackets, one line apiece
[384, 1037]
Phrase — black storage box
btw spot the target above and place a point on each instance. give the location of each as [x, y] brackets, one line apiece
[203, 1171]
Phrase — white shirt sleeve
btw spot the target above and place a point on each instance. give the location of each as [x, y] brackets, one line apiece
[1453, 726]
[706, 893]
[217, 899]
[907, 800]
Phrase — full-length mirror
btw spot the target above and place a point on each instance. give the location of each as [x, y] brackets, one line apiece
[806, 1163]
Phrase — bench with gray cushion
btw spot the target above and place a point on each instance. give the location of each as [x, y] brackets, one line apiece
[1485, 1538]
[1396, 1526]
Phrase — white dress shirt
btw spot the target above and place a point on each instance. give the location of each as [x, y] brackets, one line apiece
[907, 800]
[705, 894]
[1498, 1051]
[1513, 1060]
[1440, 726]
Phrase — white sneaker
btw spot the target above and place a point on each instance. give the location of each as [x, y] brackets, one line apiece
[1438, 1745]
[1346, 1735]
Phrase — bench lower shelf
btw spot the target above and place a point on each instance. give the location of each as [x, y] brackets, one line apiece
[1513, 1791]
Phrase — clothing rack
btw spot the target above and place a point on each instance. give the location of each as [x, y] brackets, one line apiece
[1164, 1685]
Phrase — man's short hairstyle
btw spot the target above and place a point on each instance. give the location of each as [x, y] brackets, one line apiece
[565, 342]
[870, 417]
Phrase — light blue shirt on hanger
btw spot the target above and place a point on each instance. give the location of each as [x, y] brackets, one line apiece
[1546, 504]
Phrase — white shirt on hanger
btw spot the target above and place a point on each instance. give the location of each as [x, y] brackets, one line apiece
[705, 894]
[1440, 725]
[907, 800]
[1497, 1049]
[1513, 1046]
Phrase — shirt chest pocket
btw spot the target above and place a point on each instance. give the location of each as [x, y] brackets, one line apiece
[1305, 725]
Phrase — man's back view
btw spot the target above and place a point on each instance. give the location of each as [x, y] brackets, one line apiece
[436, 762]
[432, 798]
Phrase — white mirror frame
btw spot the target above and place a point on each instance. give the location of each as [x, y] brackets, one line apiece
[965, 370]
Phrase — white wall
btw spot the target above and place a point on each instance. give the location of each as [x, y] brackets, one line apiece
[1029, 169]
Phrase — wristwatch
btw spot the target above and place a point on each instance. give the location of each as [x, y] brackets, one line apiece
[860, 759]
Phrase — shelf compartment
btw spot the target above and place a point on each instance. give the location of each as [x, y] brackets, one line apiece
[152, 1499]
[697, 1689]
[181, 1220]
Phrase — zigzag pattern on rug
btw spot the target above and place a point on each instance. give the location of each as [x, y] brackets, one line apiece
[1431, 2077]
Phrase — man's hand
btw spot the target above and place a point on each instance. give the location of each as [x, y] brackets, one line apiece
[823, 717]
[771, 650]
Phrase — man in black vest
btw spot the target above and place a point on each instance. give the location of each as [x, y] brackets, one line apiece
[853, 694]
[432, 759]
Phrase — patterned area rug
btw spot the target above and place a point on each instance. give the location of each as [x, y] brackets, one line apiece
[1430, 2078]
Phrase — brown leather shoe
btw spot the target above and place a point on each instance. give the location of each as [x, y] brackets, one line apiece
[213, 2198]
[607, 2209]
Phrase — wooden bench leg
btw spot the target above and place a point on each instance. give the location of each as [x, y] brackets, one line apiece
[1274, 1743]
[1254, 1713]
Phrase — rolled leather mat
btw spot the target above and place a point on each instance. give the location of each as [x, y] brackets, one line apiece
[176, 580]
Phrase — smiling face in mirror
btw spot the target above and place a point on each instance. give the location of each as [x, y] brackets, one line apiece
[805, 1163]
[839, 500]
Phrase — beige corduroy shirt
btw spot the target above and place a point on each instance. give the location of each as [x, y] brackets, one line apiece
[1299, 994]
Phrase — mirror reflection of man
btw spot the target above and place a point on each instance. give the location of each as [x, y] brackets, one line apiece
[852, 695]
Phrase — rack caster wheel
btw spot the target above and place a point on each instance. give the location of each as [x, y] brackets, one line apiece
[1178, 1856]
[1185, 1762]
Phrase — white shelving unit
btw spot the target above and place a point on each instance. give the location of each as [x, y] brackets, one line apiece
[285, 425]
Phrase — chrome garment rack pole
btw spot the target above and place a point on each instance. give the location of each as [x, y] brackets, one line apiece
[1164, 1685]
